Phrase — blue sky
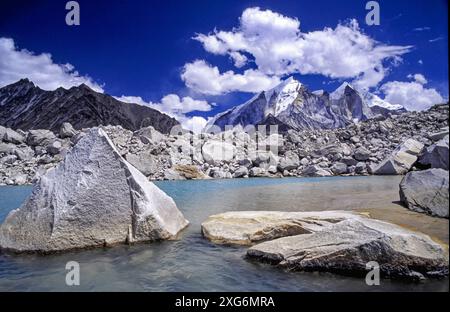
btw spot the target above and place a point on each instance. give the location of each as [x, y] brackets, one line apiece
[141, 48]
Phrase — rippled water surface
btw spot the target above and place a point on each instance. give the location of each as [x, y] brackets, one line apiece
[194, 264]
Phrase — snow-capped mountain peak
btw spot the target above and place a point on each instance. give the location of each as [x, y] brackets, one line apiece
[288, 86]
[319, 92]
[283, 95]
[340, 91]
[369, 98]
[374, 100]
[291, 105]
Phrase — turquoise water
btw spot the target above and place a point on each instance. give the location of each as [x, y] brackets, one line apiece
[192, 263]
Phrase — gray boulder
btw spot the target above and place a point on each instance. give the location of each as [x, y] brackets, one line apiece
[7, 148]
[172, 174]
[245, 162]
[54, 147]
[439, 135]
[8, 159]
[214, 151]
[12, 136]
[436, 155]
[361, 154]
[40, 137]
[2, 132]
[426, 191]
[257, 172]
[144, 162]
[219, 173]
[259, 158]
[304, 161]
[349, 161]
[149, 135]
[67, 131]
[330, 150]
[93, 198]
[241, 172]
[401, 159]
[24, 153]
[346, 247]
[315, 171]
[289, 161]
[360, 168]
[339, 168]
[20, 179]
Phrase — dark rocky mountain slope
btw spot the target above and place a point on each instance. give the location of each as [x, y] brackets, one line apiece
[25, 106]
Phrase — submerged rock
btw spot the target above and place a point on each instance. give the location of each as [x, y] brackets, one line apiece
[93, 198]
[426, 191]
[346, 247]
[250, 227]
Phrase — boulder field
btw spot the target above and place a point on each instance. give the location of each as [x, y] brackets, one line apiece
[390, 145]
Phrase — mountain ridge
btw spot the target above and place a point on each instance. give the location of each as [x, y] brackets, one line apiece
[294, 105]
[25, 106]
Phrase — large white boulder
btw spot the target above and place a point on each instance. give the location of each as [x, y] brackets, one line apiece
[93, 198]
[215, 151]
[401, 160]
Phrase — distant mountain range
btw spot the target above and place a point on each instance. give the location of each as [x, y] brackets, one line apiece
[290, 105]
[25, 106]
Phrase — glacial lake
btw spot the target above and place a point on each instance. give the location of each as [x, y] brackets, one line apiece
[194, 264]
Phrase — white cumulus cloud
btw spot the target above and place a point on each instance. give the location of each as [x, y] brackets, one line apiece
[16, 64]
[412, 95]
[204, 78]
[418, 78]
[278, 47]
[176, 107]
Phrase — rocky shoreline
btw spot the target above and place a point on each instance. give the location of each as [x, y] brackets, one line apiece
[377, 146]
[335, 241]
